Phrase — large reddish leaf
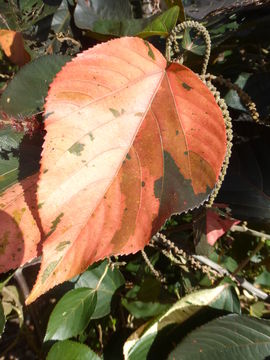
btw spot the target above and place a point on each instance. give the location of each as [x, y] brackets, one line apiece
[19, 231]
[128, 143]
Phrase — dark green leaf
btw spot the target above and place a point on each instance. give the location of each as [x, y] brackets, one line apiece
[25, 94]
[246, 188]
[198, 9]
[257, 309]
[110, 283]
[2, 320]
[230, 337]
[139, 343]
[140, 309]
[232, 99]
[19, 156]
[8, 18]
[71, 350]
[189, 45]
[112, 18]
[228, 301]
[61, 18]
[71, 314]
[263, 279]
[227, 261]
[179, 3]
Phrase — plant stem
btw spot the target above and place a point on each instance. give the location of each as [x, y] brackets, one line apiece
[102, 277]
[31, 308]
[242, 282]
[244, 228]
[247, 259]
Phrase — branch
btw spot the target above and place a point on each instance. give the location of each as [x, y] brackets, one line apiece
[241, 281]
[244, 228]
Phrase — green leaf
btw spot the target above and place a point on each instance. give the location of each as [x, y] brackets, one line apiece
[11, 300]
[61, 18]
[189, 45]
[2, 320]
[263, 279]
[9, 163]
[140, 309]
[9, 13]
[71, 350]
[257, 309]
[226, 261]
[25, 94]
[231, 337]
[232, 99]
[139, 343]
[179, 3]
[162, 25]
[19, 156]
[110, 283]
[71, 314]
[112, 18]
[228, 301]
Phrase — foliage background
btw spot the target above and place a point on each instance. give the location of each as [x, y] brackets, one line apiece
[120, 298]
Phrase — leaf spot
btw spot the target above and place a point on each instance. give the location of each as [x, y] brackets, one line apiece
[139, 114]
[4, 242]
[40, 205]
[49, 269]
[91, 136]
[54, 224]
[150, 51]
[61, 246]
[115, 112]
[76, 149]
[186, 86]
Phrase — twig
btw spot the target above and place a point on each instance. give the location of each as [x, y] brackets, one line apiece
[102, 277]
[25, 291]
[241, 281]
[210, 266]
[241, 266]
[244, 228]
[4, 21]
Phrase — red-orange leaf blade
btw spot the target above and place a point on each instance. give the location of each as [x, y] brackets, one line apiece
[121, 154]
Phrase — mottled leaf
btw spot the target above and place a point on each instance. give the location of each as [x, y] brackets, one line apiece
[128, 143]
